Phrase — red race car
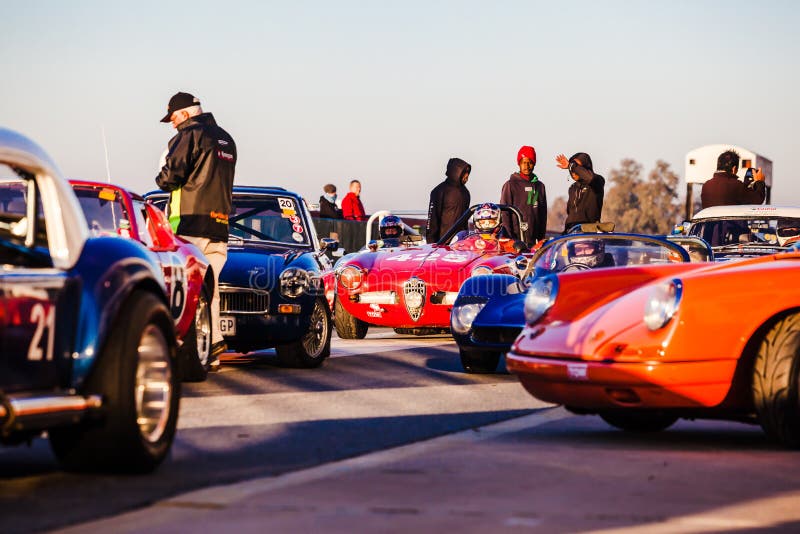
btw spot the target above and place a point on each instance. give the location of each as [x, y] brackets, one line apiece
[412, 288]
[646, 345]
[113, 210]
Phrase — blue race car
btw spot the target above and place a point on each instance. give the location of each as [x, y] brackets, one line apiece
[277, 285]
[488, 313]
[88, 343]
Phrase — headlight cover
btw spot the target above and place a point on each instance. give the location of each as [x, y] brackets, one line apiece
[481, 269]
[540, 297]
[351, 277]
[462, 317]
[662, 304]
[294, 282]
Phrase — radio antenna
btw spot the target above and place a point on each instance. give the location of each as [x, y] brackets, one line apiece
[105, 149]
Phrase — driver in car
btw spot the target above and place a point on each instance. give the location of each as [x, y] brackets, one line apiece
[788, 235]
[486, 220]
[590, 254]
[391, 231]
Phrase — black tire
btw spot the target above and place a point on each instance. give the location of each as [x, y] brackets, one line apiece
[315, 345]
[136, 430]
[195, 353]
[479, 362]
[638, 420]
[776, 382]
[347, 326]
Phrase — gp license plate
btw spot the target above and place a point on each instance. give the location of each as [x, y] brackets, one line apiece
[227, 326]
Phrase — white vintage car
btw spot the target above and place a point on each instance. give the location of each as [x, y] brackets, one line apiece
[745, 231]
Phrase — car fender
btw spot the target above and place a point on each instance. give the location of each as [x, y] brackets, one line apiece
[110, 269]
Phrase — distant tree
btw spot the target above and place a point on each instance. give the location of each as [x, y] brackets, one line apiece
[557, 215]
[648, 206]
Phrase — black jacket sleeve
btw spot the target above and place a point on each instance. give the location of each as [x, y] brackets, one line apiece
[179, 163]
[432, 233]
[541, 216]
[756, 195]
[507, 198]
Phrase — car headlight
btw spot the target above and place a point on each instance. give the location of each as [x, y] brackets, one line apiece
[294, 282]
[662, 304]
[540, 298]
[481, 269]
[462, 317]
[351, 277]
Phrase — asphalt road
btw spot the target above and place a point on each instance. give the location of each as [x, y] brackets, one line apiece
[391, 436]
[257, 419]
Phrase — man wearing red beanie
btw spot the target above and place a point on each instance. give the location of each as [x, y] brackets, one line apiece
[526, 192]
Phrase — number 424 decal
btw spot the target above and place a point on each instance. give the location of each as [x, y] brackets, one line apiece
[45, 320]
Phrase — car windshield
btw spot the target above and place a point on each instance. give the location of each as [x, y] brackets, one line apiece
[103, 209]
[777, 231]
[583, 252]
[268, 218]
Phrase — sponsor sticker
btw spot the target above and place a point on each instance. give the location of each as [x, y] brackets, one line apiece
[375, 311]
[107, 194]
[578, 371]
[297, 237]
[298, 228]
[295, 219]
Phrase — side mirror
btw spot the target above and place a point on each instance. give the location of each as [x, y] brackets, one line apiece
[328, 243]
[521, 263]
[373, 245]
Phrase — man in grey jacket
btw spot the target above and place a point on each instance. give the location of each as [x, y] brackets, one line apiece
[198, 172]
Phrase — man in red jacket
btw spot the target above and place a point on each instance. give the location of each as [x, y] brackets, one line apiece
[352, 208]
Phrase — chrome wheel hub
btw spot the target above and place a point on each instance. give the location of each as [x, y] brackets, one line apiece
[153, 391]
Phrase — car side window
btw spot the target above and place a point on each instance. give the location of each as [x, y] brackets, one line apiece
[140, 214]
[15, 195]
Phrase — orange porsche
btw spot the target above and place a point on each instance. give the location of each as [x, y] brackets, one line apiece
[644, 346]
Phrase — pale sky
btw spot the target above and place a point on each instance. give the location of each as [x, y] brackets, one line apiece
[386, 92]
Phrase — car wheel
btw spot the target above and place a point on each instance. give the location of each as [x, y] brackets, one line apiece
[315, 345]
[195, 353]
[638, 420]
[347, 326]
[479, 362]
[137, 377]
[776, 382]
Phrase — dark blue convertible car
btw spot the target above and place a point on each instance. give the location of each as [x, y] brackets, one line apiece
[489, 311]
[88, 343]
[276, 286]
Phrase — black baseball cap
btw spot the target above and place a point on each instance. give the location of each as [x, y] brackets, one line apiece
[179, 101]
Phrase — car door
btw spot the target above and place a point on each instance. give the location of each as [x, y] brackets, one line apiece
[37, 298]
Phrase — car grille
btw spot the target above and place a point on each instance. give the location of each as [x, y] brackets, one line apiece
[414, 290]
[496, 335]
[243, 301]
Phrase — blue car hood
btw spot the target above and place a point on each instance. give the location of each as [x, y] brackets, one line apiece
[502, 312]
[256, 266]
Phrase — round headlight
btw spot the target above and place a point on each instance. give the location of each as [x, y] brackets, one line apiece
[463, 316]
[294, 282]
[540, 298]
[351, 277]
[481, 269]
[662, 304]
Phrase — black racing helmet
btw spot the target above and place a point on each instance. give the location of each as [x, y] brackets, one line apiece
[589, 252]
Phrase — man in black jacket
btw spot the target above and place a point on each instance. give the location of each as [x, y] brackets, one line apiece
[585, 203]
[527, 193]
[198, 173]
[327, 203]
[725, 189]
[449, 200]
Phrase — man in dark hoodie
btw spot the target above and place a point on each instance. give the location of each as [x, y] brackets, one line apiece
[725, 189]
[526, 192]
[327, 203]
[585, 203]
[449, 200]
